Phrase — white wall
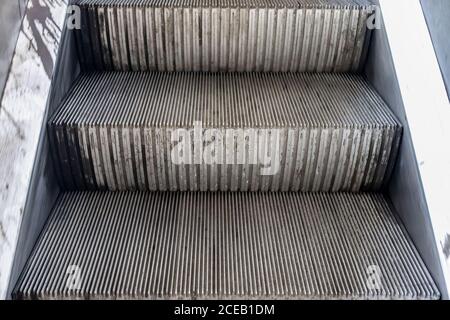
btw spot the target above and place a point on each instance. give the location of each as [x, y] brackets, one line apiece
[437, 14]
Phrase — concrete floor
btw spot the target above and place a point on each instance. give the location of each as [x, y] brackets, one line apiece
[11, 13]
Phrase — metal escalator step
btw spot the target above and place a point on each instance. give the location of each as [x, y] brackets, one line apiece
[224, 245]
[241, 131]
[226, 35]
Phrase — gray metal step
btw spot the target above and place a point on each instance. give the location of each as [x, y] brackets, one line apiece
[224, 35]
[224, 245]
[241, 131]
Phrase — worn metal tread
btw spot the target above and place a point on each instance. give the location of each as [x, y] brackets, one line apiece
[106, 245]
[261, 35]
[255, 131]
[222, 3]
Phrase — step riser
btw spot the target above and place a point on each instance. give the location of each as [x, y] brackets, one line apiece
[224, 245]
[224, 132]
[138, 38]
[121, 158]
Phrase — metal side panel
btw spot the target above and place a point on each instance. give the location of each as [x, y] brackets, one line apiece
[423, 212]
[261, 35]
[104, 245]
[248, 131]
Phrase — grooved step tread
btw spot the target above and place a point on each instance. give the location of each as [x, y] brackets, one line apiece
[224, 131]
[224, 245]
[312, 35]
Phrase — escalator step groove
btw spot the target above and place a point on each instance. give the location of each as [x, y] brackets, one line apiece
[224, 245]
[209, 132]
[225, 35]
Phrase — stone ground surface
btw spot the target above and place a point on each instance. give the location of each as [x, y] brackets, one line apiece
[11, 13]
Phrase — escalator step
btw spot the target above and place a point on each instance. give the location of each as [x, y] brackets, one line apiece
[209, 132]
[192, 245]
[226, 35]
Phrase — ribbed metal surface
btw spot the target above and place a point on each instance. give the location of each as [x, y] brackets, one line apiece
[224, 245]
[323, 132]
[224, 35]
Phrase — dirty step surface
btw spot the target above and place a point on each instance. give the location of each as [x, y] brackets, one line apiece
[224, 245]
[217, 131]
[261, 35]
